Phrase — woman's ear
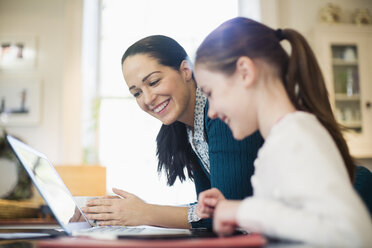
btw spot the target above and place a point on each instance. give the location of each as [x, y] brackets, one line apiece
[186, 70]
[246, 69]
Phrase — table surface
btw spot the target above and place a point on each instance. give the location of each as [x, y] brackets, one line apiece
[63, 241]
[253, 240]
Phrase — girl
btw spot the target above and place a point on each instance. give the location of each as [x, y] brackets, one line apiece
[303, 172]
[189, 144]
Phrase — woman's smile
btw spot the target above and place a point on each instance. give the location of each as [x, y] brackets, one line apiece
[161, 107]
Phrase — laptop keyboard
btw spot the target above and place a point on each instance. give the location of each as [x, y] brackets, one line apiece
[113, 229]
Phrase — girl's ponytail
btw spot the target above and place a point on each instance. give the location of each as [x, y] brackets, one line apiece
[306, 88]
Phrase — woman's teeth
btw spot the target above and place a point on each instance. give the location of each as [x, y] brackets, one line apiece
[161, 107]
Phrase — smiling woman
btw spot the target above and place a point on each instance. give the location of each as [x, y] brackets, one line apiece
[126, 136]
[189, 144]
[175, 91]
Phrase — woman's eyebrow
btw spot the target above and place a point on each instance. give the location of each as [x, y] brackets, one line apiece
[144, 79]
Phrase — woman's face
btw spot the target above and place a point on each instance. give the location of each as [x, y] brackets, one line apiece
[161, 91]
[229, 100]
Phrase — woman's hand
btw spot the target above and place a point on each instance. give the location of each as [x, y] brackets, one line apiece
[77, 217]
[126, 210]
[224, 220]
[207, 202]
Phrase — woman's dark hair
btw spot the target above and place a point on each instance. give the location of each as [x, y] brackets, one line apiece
[173, 149]
[299, 72]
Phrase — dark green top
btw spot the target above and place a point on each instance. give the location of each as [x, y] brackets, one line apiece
[363, 185]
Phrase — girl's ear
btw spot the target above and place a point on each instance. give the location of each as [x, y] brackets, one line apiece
[186, 70]
[247, 71]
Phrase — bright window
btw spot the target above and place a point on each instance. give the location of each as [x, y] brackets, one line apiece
[127, 135]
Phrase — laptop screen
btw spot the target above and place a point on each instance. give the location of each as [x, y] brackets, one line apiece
[50, 186]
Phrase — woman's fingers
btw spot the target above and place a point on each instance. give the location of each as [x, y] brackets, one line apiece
[110, 197]
[207, 202]
[109, 223]
[204, 211]
[207, 193]
[100, 202]
[108, 200]
[211, 197]
[100, 217]
[121, 192]
[210, 202]
[97, 209]
[207, 210]
[124, 209]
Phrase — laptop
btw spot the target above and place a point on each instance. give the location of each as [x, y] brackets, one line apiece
[68, 214]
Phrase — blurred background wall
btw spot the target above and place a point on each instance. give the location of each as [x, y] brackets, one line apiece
[56, 26]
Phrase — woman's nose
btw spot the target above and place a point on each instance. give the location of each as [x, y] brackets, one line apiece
[148, 97]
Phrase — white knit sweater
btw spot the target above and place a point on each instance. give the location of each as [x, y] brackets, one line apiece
[302, 191]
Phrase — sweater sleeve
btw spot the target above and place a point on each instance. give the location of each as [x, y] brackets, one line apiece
[231, 161]
[201, 183]
[261, 215]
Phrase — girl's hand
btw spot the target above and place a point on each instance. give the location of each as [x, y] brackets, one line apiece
[224, 220]
[207, 202]
[126, 210]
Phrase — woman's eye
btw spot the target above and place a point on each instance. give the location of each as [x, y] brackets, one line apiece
[137, 94]
[154, 83]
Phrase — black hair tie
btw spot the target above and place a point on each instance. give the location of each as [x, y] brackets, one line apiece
[279, 34]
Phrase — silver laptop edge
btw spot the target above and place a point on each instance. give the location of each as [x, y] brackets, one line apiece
[59, 199]
[56, 195]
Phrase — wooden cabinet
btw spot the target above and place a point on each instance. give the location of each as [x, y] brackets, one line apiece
[344, 53]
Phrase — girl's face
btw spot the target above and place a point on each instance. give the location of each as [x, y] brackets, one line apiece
[161, 91]
[229, 100]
